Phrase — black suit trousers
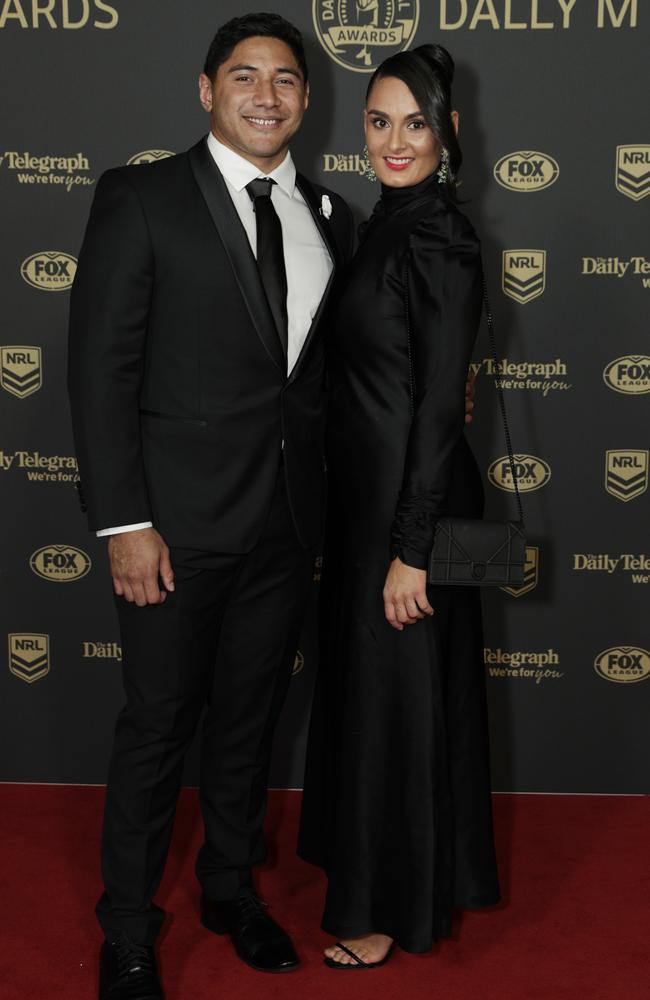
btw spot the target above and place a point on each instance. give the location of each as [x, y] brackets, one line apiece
[226, 638]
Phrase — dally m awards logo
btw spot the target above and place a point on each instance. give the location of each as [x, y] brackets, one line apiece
[49, 270]
[29, 655]
[149, 156]
[359, 34]
[629, 374]
[532, 473]
[531, 573]
[60, 563]
[633, 171]
[526, 170]
[626, 473]
[524, 274]
[21, 370]
[623, 664]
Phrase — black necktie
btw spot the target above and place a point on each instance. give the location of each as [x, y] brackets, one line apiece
[270, 254]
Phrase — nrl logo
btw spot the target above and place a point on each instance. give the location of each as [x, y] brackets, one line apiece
[633, 171]
[29, 655]
[626, 474]
[531, 573]
[359, 34]
[149, 156]
[21, 370]
[524, 274]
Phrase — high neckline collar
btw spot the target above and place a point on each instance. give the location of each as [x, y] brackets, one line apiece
[394, 198]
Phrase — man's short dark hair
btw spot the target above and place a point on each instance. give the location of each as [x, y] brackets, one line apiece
[250, 26]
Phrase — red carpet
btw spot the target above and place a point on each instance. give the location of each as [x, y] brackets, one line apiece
[574, 923]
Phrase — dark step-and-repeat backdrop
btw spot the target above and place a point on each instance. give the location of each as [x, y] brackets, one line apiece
[552, 97]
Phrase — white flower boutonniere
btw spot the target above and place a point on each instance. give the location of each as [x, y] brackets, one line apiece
[325, 206]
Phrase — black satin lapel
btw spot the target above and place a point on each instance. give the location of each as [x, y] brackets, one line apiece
[324, 228]
[235, 241]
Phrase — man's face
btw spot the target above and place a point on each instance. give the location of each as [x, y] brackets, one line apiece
[256, 100]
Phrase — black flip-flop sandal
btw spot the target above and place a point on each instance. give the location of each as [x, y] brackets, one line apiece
[358, 962]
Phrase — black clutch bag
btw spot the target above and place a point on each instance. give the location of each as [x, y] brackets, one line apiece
[471, 552]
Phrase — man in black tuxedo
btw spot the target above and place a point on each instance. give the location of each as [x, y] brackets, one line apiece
[195, 376]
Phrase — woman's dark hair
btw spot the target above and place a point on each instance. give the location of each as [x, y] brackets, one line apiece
[428, 72]
[250, 26]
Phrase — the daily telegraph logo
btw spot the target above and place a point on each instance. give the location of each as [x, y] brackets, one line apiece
[531, 573]
[101, 651]
[629, 374]
[359, 34]
[626, 473]
[21, 370]
[70, 15]
[636, 564]
[66, 172]
[344, 163]
[524, 274]
[149, 156]
[526, 171]
[522, 664]
[623, 664]
[532, 473]
[40, 468]
[49, 270]
[633, 171]
[535, 376]
[617, 267]
[60, 563]
[29, 655]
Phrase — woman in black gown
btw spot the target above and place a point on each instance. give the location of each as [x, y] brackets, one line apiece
[397, 804]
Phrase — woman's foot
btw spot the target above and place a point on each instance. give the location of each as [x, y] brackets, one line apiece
[370, 948]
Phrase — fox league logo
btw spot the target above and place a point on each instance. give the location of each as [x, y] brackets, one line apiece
[359, 34]
[633, 171]
[626, 473]
[49, 271]
[524, 274]
[149, 156]
[60, 563]
[526, 171]
[21, 370]
[29, 655]
[629, 374]
[532, 473]
[623, 664]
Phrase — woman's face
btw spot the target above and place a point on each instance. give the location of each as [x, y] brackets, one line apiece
[402, 148]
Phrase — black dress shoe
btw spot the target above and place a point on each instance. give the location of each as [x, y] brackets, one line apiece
[258, 940]
[127, 971]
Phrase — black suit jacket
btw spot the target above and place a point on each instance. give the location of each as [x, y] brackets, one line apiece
[179, 400]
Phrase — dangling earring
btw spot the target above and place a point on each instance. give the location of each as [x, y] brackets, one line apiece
[443, 167]
[367, 171]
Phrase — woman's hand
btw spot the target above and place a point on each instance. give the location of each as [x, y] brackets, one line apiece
[405, 595]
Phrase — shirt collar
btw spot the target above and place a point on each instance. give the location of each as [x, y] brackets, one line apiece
[239, 171]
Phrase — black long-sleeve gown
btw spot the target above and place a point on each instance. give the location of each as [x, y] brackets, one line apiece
[397, 805]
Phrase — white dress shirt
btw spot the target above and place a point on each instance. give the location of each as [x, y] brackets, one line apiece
[307, 260]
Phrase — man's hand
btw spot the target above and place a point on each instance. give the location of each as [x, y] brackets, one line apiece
[139, 561]
[405, 595]
[470, 392]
